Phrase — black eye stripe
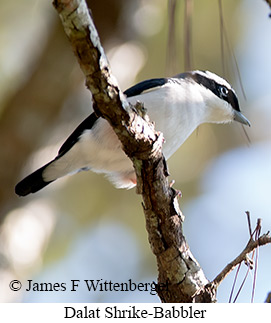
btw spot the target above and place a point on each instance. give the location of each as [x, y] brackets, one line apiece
[217, 89]
[232, 99]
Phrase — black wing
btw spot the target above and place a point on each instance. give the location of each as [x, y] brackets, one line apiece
[144, 86]
[90, 120]
[74, 137]
[33, 182]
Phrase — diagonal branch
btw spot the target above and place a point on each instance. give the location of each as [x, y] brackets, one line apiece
[252, 245]
[177, 268]
[254, 242]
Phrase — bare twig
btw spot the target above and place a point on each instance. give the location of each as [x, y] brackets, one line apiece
[249, 224]
[257, 235]
[171, 52]
[188, 34]
[249, 261]
[252, 245]
[242, 284]
[234, 282]
[221, 20]
[224, 37]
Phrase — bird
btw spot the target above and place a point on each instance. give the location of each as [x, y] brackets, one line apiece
[177, 106]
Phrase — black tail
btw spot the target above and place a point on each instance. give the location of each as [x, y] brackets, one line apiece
[32, 183]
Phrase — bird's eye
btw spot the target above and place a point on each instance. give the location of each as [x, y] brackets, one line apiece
[223, 91]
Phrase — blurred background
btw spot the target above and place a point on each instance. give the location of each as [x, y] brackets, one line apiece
[81, 227]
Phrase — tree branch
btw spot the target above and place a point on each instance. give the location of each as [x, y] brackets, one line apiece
[177, 267]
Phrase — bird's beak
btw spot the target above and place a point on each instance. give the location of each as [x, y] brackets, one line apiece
[238, 116]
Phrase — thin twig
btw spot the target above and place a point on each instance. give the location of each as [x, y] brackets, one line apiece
[246, 135]
[242, 284]
[263, 240]
[171, 52]
[249, 224]
[222, 36]
[188, 34]
[234, 282]
[257, 234]
[249, 262]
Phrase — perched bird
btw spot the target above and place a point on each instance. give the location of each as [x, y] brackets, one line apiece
[177, 105]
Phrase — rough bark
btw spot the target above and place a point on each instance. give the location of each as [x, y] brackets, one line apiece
[178, 271]
[177, 267]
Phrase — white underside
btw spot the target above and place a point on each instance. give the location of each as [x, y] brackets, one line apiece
[100, 150]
